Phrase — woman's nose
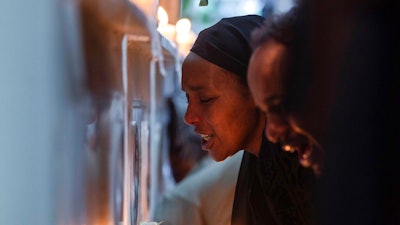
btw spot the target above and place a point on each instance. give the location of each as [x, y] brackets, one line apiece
[191, 116]
[276, 128]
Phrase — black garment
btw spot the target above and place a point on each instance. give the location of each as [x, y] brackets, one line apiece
[273, 189]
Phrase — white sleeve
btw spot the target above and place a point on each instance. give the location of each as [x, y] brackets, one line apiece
[174, 210]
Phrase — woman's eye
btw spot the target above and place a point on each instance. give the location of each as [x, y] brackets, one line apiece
[206, 100]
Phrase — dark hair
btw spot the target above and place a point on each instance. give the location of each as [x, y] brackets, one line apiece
[279, 27]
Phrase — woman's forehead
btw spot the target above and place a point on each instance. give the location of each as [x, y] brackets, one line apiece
[198, 71]
[266, 66]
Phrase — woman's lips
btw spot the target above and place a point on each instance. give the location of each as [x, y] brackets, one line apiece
[206, 141]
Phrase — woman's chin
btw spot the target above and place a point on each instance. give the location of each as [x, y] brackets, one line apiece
[217, 157]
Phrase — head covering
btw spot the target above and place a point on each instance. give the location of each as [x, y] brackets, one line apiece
[226, 43]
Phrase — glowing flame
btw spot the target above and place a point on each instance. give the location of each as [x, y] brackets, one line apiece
[183, 26]
[162, 16]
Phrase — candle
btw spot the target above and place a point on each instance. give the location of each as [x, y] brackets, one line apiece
[166, 29]
[185, 37]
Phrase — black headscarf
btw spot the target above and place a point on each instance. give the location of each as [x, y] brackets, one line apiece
[226, 43]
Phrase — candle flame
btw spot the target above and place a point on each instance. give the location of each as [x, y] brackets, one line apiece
[183, 26]
[162, 16]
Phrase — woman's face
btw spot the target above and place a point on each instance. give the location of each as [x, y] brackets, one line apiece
[221, 109]
[295, 131]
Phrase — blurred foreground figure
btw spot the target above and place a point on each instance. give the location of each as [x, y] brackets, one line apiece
[355, 59]
[339, 91]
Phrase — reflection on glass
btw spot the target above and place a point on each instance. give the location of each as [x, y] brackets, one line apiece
[105, 163]
[135, 157]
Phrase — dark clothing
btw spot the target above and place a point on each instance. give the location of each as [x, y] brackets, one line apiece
[273, 189]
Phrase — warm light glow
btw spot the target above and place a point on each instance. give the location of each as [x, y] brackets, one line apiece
[183, 26]
[288, 148]
[162, 16]
[180, 35]
[167, 30]
[184, 36]
[251, 6]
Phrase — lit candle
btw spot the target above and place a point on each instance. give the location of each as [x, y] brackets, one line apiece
[185, 37]
[166, 29]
